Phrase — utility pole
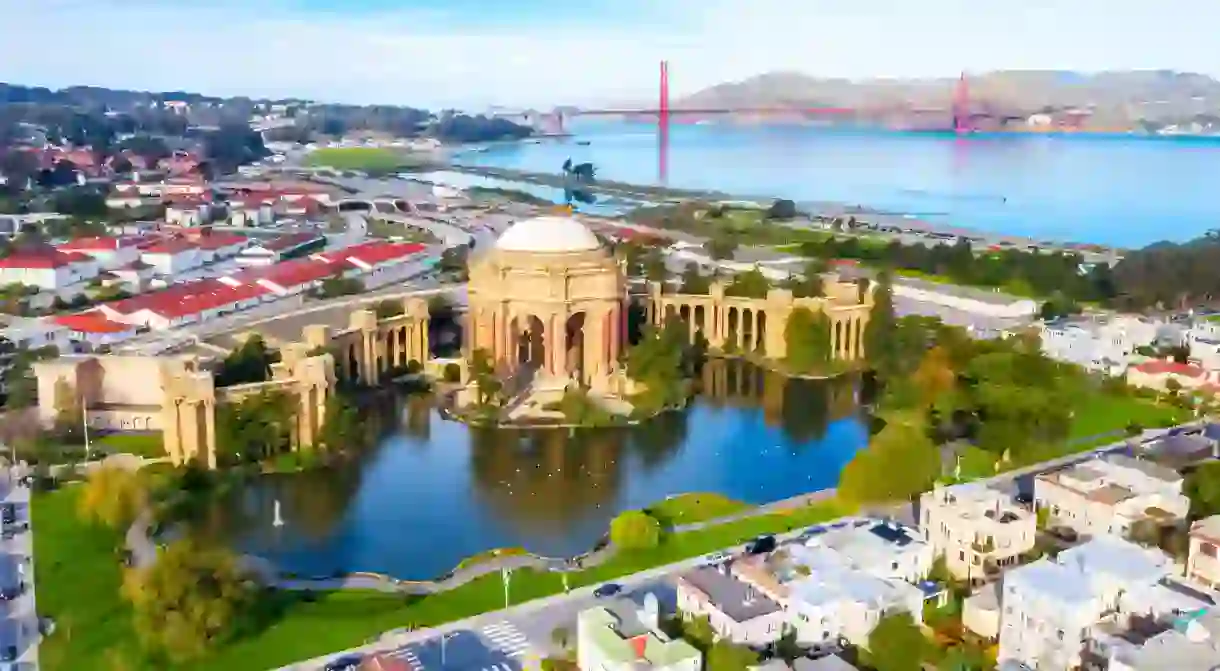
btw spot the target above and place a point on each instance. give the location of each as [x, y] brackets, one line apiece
[84, 416]
[506, 575]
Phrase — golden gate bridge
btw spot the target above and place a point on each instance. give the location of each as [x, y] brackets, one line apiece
[963, 116]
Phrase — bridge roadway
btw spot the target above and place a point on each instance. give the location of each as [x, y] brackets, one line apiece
[535, 620]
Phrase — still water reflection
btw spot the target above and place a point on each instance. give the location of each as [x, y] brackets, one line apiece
[435, 491]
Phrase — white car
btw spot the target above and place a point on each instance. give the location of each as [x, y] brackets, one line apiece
[716, 558]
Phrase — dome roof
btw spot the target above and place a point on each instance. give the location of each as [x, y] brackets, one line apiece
[548, 234]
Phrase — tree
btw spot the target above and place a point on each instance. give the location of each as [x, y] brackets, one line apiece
[483, 371]
[634, 530]
[250, 362]
[693, 281]
[879, 344]
[189, 600]
[782, 209]
[720, 246]
[935, 377]
[787, 647]
[341, 424]
[1173, 386]
[899, 463]
[698, 630]
[808, 336]
[1202, 487]
[68, 417]
[897, 644]
[724, 655]
[750, 284]
[387, 308]
[113, 496]
[257, 427]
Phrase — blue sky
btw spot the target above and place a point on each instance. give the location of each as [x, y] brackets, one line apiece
[474, 53]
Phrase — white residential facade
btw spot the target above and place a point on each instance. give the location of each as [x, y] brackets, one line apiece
[972, 524]
[614, 638]
[1105, 345]
[1108, 495]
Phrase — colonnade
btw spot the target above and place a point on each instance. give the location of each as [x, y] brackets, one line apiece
[580, 341]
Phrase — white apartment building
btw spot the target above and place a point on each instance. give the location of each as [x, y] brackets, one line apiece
[838, 586]
[1203, 564]
[971, 525]
[1192, 643]
[1108, 495]
[49, 269]
[619, 637]
[1051, 608]
[1101, 345]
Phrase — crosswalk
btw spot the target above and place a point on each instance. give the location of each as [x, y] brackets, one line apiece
[506, 638]
[408, 655]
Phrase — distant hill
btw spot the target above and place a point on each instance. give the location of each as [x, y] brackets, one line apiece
[1158, 95]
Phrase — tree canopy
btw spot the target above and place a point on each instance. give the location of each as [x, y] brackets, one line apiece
[897, 644]
[880, 344]
[749, 284]
[724, 655]
[191, 599]
[249, 362]
[635, 530]
[899, 463]
[808, 336]
[113, 496]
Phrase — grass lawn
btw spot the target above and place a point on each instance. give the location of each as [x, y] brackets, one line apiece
[149, 445]
[78, 584]
[694, 507]
[1103, 413]
[373, 159]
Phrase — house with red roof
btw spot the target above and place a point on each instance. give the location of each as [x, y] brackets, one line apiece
[215, 246]
[286, 278]
[109, 251]
[171, 256]
[49, 269]
[95, 328]
[378, 262]
[1158, 373]
[185, 303]
[280, 248]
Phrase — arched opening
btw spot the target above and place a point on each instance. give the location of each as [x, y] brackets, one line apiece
[530, 341]
[353, 363]
[670, 314]
[574, 358]
[700, 321]
[762, 332]
[684, 313]
[838, 341]
[747, 330]
[730, 341]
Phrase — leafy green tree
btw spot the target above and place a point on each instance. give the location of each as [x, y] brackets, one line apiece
[724, 655]
[190, 600]
[1202, 487]
[635, 530]
[782, 209]
[897, 644]
[699, 632]
[808, 336]
[899, 463]
[879, 343]
[342, 425]
[387, 308]
[695, 282]
[249, 362]
[720, 246]
[787, 648]
[483, 372]
[750, 284]
[113, 497]
[659, 362]
[255, 428]
[935, 377]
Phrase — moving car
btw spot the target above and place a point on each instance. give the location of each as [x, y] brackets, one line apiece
[609, 589]
[761, 545]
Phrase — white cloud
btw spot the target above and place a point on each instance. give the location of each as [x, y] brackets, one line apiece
[429, 58]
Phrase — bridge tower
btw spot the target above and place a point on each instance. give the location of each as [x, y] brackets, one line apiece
[962, 123]
[663, 126]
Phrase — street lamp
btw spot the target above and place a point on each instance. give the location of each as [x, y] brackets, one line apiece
[444, 638]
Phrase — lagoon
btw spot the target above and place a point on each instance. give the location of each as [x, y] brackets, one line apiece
[434, 491]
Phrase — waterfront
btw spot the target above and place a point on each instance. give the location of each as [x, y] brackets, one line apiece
[436, 491]
[1120, 191]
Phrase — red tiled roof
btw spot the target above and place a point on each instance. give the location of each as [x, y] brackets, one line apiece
[92, 322]
[169, 246]
[373, 253]
[188, 298]
[41, 258]
[296, 272]
[1159, 367]
[214, 241]
[100, 243]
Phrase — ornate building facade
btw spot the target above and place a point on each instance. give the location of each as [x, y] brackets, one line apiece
[550, 299]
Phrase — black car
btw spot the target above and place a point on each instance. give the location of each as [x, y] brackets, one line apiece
[8, 653]
[609, 589]
[761, 545]
[344, 663]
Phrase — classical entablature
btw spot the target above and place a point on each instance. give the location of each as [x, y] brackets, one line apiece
[757, 324]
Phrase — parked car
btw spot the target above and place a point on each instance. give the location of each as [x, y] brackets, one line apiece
[761, 545]
[607, 590]
[344, 663]
[716, 558]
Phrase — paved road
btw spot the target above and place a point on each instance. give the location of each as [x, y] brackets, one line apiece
[19, 627]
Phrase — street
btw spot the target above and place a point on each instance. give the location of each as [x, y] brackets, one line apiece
[19, 630]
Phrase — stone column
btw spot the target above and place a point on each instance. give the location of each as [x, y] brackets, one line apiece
[424, 344]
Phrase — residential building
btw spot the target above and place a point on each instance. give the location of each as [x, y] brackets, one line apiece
[171, 257]
[1202, 562]
[95, 329]
[185, 303]
[1108, 495]
[619, 637]
[49, 269]
[1157, 374]
[1191, 643]
[1099, 344]
[1054, 612]
[973, 526]
[281, 248]
[109, 252]
[736, 610]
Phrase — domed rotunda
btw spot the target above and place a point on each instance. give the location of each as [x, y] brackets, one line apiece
[547, 298]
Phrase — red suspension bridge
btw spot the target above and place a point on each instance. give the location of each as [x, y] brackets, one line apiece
[963, 116]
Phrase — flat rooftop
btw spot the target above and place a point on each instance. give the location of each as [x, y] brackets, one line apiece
[734, 598]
